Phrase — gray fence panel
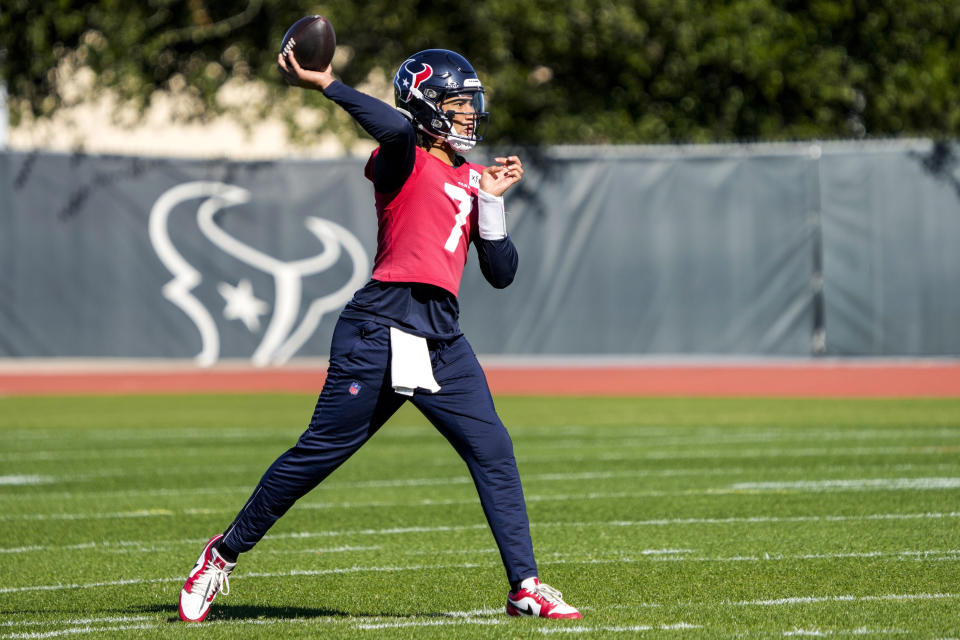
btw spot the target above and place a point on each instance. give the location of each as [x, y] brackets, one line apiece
[891, 228]
[625, 252]
[86, 279]
[636, 255]
[11, 335]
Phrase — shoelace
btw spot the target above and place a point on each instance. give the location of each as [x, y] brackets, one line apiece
[549, 593]
[219, 578]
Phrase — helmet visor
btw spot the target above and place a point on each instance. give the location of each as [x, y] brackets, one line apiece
[477, 101]
[470, 101]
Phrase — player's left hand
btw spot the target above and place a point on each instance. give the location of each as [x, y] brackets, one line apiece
[496, 179]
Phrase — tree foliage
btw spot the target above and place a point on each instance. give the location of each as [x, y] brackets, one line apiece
[572, 71]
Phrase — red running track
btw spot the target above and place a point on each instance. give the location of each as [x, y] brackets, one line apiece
[832, 378]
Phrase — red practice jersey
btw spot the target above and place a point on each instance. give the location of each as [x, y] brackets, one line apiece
[425, 227]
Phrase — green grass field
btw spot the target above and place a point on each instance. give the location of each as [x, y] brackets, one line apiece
[673, 518]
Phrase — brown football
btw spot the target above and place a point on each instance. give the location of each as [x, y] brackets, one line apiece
[312, 42]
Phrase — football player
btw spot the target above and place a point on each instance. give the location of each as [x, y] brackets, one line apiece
[399, 338]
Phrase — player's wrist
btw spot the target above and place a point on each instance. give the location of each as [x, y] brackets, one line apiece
[491, 216]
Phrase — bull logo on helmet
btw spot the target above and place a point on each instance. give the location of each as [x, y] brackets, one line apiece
[407, 79]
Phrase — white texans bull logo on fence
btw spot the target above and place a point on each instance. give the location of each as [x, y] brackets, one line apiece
[283, 335]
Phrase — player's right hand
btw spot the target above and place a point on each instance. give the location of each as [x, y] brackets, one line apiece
[296, 75]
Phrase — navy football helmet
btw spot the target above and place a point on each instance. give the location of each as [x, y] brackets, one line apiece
[428, 78]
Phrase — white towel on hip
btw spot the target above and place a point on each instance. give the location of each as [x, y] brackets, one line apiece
[410, 363]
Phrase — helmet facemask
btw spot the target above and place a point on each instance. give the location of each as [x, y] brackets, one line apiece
[465, 121]
[456, 117]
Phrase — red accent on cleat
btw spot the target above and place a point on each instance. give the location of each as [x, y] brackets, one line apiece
[208, 578]
[541, 601]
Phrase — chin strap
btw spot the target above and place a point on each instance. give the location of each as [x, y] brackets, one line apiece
[459, 143]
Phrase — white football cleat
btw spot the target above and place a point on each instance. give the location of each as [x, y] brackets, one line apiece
[209, 577]
[535, 599]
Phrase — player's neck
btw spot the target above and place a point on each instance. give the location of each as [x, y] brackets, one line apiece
[444, 153]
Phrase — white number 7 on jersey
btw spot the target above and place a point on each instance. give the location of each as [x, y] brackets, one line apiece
[465, 204]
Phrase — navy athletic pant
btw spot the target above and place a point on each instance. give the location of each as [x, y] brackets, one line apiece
[356, 400]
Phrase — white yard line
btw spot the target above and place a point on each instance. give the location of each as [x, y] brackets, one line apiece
[906, 597]
[778, 519]
[73, 622]
[21, 480]
[369, 626]
[74, 454]
[579, 630]
[625, 435]
[285, 574]
[451, 618]
[160, 623]
[687, 453]
[640, 436]
[680, 626]
[333, 485]
[576, 629]
[488, 616]
[76, 631]
[765, 453]
[479, 527]
[931, 555]
[341, 549]
[809, 486]
[139, 513]
[817, 632]
[891, 484]
[620, 559]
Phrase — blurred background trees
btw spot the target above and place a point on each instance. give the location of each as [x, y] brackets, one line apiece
[571, 71]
